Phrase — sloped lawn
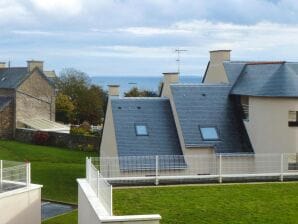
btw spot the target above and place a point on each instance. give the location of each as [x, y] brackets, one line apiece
[55, 168]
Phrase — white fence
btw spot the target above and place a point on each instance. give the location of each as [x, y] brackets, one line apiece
[14, 175]
[100, 186]
[213, 166]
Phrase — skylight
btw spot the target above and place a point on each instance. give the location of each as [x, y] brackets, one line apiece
[141, 130]
[209, 133]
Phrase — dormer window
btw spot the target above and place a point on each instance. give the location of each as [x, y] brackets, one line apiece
[209, 133]
[141, 130]
[293, 118]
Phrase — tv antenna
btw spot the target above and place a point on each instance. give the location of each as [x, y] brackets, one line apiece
[179, 51]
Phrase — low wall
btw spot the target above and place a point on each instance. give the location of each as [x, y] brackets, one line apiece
[21, 206]
[87, 143]
[92, 212]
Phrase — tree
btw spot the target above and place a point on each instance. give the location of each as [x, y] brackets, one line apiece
[64, 108]
[88, 100]
[135, 92]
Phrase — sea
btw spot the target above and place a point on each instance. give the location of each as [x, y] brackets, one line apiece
[142, 82]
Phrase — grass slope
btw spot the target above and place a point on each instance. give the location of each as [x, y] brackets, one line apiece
[55, 168]
[250, 203]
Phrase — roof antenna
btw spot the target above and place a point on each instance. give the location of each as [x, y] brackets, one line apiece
[178, 50]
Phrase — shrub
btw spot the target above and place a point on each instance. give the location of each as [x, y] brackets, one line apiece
[78, 131]
[40, 137]
[86, 126]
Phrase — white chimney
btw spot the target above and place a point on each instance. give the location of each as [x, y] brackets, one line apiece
[169, 78]
[215, 72]
[219, 56]
[114, 90]
[32, 64]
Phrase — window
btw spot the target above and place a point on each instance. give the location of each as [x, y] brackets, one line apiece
[293, 118]
[141, 130]
[209, 133]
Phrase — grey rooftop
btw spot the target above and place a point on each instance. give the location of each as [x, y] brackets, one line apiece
[210, 106]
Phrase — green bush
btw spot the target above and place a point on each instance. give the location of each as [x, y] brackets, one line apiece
[79, 131]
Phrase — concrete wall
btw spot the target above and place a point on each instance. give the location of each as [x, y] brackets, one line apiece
[7, 121]
[108, 146]
[268, 125]
[215, 72]
[22, 206]
[91, 211]
[35, 98]
[87, 143]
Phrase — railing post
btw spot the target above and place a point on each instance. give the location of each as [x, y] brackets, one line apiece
[220, 169]
[97, 183]
[28, 174]
[281, 167]
[111, 195]
[156, 170]
[1, 171]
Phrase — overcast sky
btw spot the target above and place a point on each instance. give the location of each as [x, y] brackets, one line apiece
[139, 37]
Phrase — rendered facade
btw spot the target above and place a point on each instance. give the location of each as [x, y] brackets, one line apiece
[241, 107]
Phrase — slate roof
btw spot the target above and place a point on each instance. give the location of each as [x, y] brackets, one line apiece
[268, 79]
[233, 69]
[162, 137]
[11, 78]
[206, 105]
[4, 101]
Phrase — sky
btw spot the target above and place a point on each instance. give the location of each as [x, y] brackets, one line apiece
[139, 37]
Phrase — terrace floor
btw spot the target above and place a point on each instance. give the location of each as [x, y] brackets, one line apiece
[4, 187]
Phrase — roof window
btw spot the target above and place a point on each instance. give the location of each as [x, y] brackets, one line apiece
[209, 133]
[141, 130]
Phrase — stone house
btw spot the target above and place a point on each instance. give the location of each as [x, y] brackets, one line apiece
[26, 93]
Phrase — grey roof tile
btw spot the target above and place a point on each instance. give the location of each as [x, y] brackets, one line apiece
[156, 114]
[11, 78]
[210, 105]
[269, 80]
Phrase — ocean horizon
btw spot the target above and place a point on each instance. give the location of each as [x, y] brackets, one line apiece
[142, 82]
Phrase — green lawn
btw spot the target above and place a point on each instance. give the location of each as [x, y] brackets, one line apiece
[69, 218]
[245, 203]
[55, 168]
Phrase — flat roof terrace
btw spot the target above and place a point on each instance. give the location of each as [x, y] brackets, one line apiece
[14, 175]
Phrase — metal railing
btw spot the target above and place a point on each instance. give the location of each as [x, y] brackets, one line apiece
[214, 166]
[14, 175]
[100, 186]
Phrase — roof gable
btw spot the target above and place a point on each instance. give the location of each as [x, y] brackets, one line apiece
[11, 78]
[268, 79]
[209, 106]
[156, 115]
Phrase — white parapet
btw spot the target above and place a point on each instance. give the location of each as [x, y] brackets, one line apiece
[92, 211]
[22, 205]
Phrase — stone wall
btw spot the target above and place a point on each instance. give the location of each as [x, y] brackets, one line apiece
[6, 121]
[35, 98]
[81, 142]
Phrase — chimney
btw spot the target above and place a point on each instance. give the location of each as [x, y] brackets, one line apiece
[2, 64]
[32, 64]
[219, 56]
[215, 72]
[114, 90]
[169, 78]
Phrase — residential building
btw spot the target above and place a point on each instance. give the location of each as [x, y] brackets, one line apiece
[240, 108]
[26, 95]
